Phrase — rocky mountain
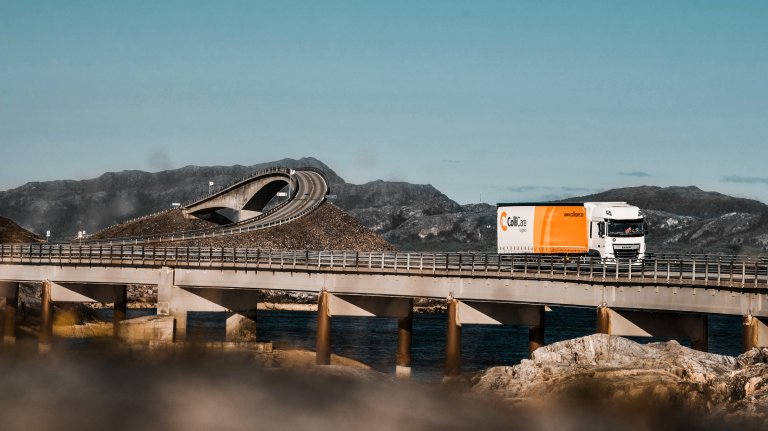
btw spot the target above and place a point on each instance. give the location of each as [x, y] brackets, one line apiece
[681, 220]
[690, 220]
[411, 216]
[66, 207]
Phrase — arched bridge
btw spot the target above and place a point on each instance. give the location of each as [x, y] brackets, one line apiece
[249, 197]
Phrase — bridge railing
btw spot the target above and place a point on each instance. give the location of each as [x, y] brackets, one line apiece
[745, 273]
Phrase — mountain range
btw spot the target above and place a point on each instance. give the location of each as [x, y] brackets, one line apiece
[410, 216]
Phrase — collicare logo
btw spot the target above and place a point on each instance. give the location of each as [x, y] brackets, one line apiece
[511, 221]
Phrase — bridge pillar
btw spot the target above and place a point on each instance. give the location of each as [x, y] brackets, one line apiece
[453, 340]
[603, 320]
[380, 306]
[754, 333]
[497, 313]
[171, 301]
[404, 332]
[323, 351]
[699, 336]
[633, 323]
[536, 333]
[120, 309]
[11, 294]
[241, 326]
[179, 324]
[46, 318]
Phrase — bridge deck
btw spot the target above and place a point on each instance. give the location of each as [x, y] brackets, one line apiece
[695, 284]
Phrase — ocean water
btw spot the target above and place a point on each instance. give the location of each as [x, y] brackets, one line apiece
[373, 340]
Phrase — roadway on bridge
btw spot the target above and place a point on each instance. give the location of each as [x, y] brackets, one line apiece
[311, 188]
[309, 192]
[736, 287]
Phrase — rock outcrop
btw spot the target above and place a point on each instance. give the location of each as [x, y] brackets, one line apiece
[613, 371]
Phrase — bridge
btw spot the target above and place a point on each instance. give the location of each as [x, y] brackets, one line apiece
[250, 196]
[247, 199]
[662, 296]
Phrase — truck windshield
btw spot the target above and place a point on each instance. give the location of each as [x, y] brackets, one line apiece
[626, 228]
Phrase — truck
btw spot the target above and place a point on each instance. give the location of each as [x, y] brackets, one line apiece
[608, 230]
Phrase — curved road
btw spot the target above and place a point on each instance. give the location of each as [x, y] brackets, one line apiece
[310, 190]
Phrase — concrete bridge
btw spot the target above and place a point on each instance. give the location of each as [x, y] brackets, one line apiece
[663, 296]
[247, 199]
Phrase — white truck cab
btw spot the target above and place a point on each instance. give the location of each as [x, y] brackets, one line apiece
[616, 230]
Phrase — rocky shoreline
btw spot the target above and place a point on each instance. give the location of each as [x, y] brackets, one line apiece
[614, 372]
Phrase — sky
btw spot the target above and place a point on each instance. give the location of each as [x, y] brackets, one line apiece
[498, 101]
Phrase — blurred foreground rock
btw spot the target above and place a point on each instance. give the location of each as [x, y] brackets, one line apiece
[608, 370]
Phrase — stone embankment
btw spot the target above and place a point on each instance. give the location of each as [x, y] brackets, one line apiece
[327, 228]
[601, 370]
[160, 224]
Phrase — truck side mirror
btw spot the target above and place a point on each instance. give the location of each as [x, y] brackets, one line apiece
[601, 229]
[645, 228]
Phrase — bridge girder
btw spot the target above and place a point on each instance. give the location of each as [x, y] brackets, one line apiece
[246, 200]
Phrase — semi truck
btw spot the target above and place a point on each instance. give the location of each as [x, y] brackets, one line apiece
[609, 230]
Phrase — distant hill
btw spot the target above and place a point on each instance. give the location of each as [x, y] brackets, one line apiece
[690, 220]
[10, 232]
[411, 216]
[684, 201]
[66, 207]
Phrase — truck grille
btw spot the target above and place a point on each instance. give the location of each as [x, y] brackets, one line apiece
[625, 254]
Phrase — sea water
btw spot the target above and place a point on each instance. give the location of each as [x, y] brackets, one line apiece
[373, 340]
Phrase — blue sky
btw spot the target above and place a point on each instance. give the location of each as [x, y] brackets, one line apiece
[511, 100]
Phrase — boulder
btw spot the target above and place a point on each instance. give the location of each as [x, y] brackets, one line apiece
[613, 371]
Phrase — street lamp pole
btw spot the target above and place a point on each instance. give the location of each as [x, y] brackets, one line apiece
[290, 182]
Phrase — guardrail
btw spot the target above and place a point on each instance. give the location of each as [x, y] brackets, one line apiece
[670, 272]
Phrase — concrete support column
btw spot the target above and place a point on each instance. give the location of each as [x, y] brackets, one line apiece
[241, 326]
[11, 307]
[536, 333]
[700, 338]
[179, 325]
[453, 340]
[404, 332]
[749, 333]
[323, 350]
[603, 320]
[171, 302]
[754, 333]
[120, 309]
[46, 318]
